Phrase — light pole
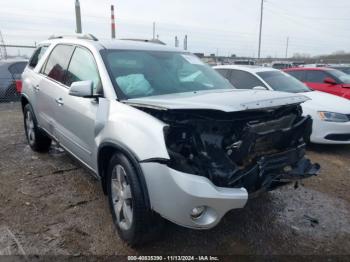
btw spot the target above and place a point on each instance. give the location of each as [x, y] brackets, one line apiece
[112, 22]
[154, 30]
[261, 21]
[287, 47]
[78, 17]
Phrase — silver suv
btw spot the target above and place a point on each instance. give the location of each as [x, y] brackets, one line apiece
[167, 135]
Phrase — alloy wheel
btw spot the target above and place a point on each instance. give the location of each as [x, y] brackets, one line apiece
[122, 197]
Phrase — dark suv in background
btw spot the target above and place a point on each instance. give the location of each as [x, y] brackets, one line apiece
[10, 71]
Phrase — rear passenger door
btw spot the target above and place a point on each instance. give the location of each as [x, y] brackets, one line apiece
[50, 87]
[76, 116]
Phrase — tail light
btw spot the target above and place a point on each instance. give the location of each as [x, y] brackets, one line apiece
[18, 86]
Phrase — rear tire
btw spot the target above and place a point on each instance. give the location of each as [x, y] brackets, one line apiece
[37, 139]
[134, 221]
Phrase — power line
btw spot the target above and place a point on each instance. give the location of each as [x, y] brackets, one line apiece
[302, 5]
[320, 18]
[308, 27]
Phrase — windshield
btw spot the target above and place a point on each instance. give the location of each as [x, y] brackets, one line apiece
[280, 81]
[149, 73]
[344, 78]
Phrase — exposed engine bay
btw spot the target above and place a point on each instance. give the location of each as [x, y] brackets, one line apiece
[256, 149]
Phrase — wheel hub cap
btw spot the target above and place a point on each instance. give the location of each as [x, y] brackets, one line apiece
[30, 128]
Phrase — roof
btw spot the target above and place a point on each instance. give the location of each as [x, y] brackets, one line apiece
[113, 44]
[247, 68]
[136, 45]
[308, 68]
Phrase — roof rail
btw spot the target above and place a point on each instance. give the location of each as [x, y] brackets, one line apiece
[153, 41]
[77, 36]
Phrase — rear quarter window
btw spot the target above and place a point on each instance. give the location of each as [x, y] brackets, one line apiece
[57, 62]
[224, 72]
[244, 80]
[38, 53]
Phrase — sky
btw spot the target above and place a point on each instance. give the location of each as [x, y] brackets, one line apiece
[223, 27]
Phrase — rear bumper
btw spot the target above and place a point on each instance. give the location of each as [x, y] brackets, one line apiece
[173, 194]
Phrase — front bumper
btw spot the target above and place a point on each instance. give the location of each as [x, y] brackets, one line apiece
[173, 194]
[324, 132]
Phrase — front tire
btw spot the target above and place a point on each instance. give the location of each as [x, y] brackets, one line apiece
[37, 139]
[135, 222]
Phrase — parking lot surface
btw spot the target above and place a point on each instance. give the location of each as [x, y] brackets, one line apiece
[49, 204]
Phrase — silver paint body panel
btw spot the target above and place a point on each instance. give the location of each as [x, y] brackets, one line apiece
[81, 125]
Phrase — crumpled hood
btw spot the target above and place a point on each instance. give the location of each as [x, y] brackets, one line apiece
[321, 101]
[227, 100]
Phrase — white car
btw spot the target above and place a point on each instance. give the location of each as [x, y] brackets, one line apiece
[330, 113]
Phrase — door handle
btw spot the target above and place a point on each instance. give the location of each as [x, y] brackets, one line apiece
[36, 88]
[59, 101]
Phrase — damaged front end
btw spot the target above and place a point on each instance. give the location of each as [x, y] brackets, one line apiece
[256, 149]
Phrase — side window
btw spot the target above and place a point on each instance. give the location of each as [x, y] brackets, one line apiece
[38, 53]
[244, 80]
[315, 76]
[83, 67]
[300, 75]
[224, 72]
[57, 63]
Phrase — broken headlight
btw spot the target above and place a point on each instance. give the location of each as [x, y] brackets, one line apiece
[333, 117]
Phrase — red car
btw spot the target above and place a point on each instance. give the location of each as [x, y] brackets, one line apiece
[323, 79]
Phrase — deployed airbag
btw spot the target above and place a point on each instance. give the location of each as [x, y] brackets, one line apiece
[134, 85]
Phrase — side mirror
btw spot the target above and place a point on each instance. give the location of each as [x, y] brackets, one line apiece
[329, 80]
[81, 89]
[259, 88]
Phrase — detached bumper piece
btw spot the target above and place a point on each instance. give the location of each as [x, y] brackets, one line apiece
[276, 170]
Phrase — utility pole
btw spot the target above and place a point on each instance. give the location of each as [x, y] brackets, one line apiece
[154, 30]
[3, 52]
[112, 22]
[261, 22]
[287, 47]
[78, 17]
[176, 42]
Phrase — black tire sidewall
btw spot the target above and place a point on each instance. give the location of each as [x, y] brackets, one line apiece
[42, 141]
[25, 110]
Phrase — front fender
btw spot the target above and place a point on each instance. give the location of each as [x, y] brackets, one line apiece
[136, 130]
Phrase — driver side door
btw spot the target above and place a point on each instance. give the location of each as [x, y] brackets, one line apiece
[76, 115]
